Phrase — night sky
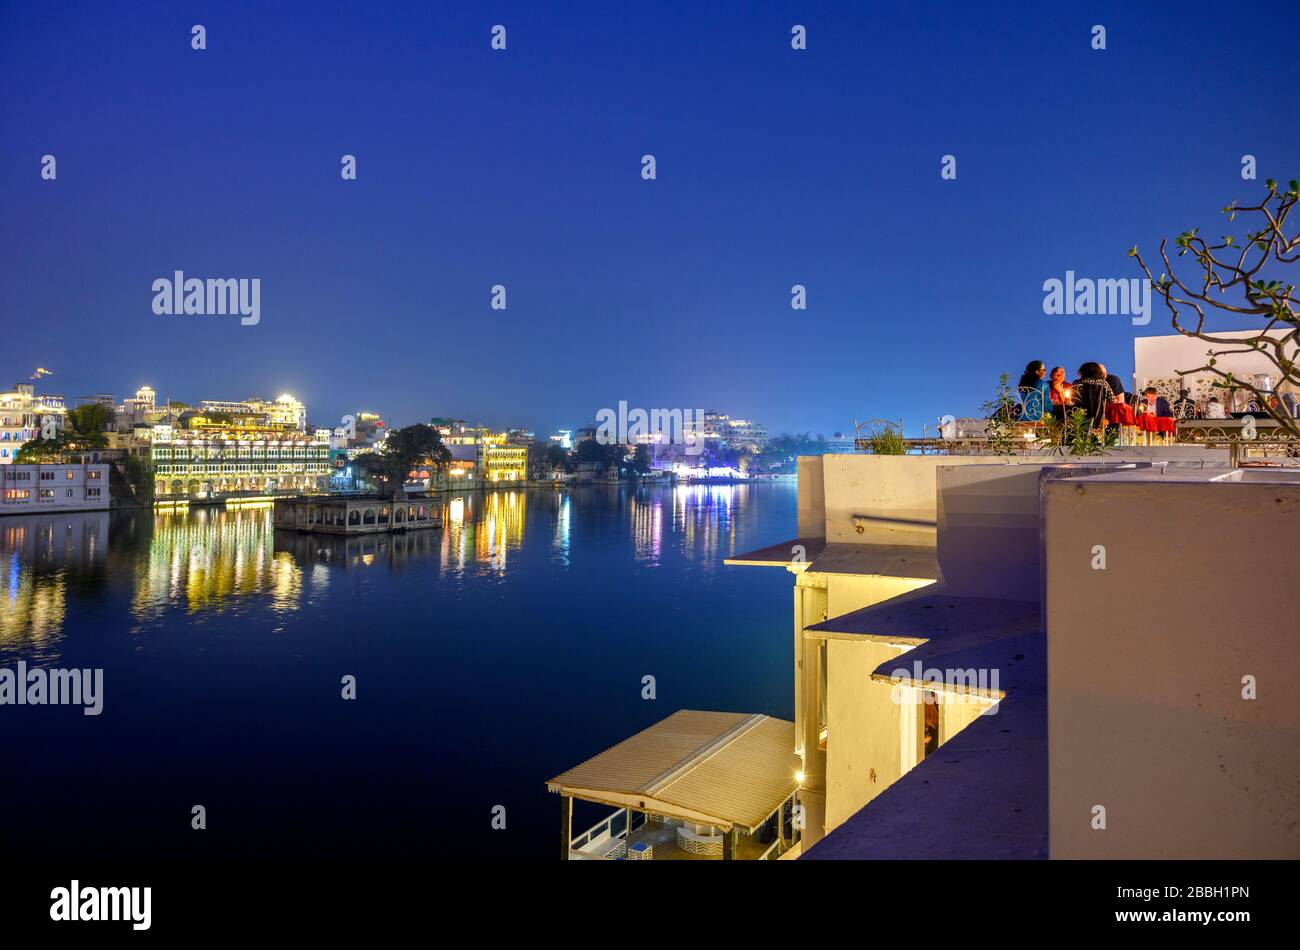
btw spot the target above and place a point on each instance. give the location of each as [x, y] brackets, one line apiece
[522, 168]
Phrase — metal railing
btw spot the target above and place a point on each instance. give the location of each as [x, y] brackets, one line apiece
[603, 827]
[1244, 438]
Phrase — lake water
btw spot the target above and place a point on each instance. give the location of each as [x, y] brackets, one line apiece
[489, 656]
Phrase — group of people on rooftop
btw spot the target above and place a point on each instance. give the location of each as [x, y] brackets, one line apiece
[1042, 394]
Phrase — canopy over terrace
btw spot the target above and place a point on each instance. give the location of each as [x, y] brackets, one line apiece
[729, 770]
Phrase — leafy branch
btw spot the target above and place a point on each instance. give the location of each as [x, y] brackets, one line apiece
[1229, 277]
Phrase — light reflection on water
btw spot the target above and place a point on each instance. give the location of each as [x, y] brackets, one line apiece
[704, 515]
[38, 556]
[207, 562]
[223, 642]
[211, 560]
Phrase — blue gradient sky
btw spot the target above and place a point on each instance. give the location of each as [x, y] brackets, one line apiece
[523, 168]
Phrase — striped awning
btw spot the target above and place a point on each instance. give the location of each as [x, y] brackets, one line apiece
[716, 768]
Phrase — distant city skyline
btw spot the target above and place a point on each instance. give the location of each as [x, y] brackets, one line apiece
[44, 386]
[521, 168]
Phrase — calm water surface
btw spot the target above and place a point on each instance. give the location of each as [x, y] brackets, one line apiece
[489, 656]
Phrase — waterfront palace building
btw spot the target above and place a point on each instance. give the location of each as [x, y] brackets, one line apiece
[253, 447]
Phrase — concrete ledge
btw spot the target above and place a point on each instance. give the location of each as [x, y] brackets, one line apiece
[945, 622]
[884, 560]
[779, 555]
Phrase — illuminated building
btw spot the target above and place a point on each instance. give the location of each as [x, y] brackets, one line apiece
[458, 473]
[744, 434]
[219, 454]
[284, 413]
[448, 427]
[28, 488]
[140, 407]
[717, 429]
[369, 430]
[496, 462]
[706, 431]
[22, 414]
[136, 417]
[500, 463]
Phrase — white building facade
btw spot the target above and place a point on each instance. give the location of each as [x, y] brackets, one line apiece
[54, 486]
[23, 414]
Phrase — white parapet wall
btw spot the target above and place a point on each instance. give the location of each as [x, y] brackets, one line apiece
[989, 530]
[893, 499]
[1173, 608]
[812, 497]
[990, 538]
[896, 494]
[1157, 359]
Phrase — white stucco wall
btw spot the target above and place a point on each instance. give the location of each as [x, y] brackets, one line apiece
[988, 543]
[812, 498]
[1161, 357]
[1146, 661]
[890, 486]
[863, 728]
[849, 592]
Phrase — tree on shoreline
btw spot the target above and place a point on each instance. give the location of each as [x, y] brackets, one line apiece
[602, 456]
[40, 450]
[403, 451]
[781, 453]
[544, 459]
[84, 430]
[638, 464]
[1229, 278]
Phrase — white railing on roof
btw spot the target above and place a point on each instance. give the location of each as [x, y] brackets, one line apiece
[602, 840]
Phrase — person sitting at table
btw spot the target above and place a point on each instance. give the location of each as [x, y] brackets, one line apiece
[1214, 409]
[1092, 393]
[1059, 391]
[1114, 382]
[1183, 407]
[1152, 401]
[1033, 392]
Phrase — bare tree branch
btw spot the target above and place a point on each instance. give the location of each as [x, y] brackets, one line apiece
[1271, 300]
